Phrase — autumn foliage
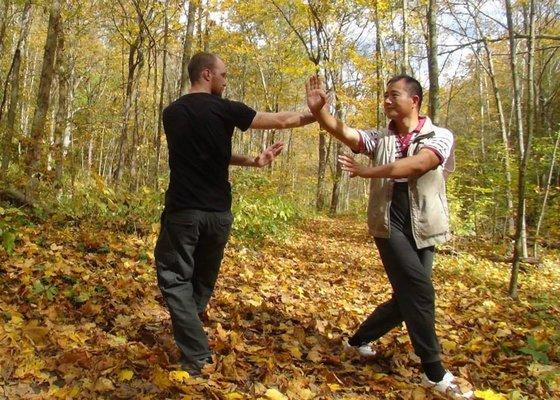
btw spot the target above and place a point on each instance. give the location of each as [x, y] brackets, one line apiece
[82, 317]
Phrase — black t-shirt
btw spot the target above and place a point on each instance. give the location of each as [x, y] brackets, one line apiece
[199, 127]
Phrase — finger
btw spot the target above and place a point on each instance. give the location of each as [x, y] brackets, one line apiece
[273, 146]
[344, 164]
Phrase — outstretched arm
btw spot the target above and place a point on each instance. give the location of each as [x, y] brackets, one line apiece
[281, 120]
[406, 167]
[263, 159]
[316, 101]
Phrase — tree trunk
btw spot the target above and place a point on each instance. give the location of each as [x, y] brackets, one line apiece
[134, 171]
[505, 141]
[61, 119]
[207, 23]
[546, 192]
[433, 70]
[43, 98]
[187, 45]
[520, 245]
[321, 169]
[135, 60]
[405, 64]
[378, 66]
[482, 112]
[14, 78]
[10, 126]
[337, 167]
[162, 92]
[3, 24]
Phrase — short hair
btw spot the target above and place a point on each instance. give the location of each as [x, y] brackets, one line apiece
[198, 63]
[413, 87]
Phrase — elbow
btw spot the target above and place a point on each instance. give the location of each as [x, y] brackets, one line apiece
[419, 169]
[284, 125]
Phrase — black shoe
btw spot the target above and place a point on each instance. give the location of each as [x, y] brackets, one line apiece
[194, 368]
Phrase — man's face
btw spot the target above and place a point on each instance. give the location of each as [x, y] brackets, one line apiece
[398, 102]
[218, 77]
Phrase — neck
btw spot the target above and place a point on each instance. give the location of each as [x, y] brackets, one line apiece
[406, 125]
[199, 88]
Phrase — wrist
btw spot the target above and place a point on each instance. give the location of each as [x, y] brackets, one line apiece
[369, 172]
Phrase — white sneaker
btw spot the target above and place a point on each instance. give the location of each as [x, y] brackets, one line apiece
[456, 388]
[365, 350]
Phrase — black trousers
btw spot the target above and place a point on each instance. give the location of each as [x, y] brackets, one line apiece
[409, 270]
[188, 255]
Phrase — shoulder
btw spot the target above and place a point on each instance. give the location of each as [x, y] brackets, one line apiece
[171, 109]
[440, 131]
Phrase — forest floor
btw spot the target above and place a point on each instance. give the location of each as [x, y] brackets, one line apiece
[82, 317]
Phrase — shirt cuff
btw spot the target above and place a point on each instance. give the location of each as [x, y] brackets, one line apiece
[437, 153]
[361, 145]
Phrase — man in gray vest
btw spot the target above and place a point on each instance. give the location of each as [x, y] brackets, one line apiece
[407, 215]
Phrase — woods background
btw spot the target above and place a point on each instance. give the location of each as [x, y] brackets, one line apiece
[84, 84]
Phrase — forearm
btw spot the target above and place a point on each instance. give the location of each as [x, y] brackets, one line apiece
[294, 119]
[282, 120]
[350, 137]
[403, 168]
[243, 160]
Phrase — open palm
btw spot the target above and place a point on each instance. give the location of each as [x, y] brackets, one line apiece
[316, 96]
[268, 155]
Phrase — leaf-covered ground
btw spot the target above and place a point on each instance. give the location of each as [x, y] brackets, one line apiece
[82, 317]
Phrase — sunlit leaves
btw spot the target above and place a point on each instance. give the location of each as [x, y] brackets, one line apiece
[276, 322]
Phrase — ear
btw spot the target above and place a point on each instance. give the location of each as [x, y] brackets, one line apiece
[206, 74]
[416, 101]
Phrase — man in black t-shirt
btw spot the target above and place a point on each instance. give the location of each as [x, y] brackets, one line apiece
[197, 219]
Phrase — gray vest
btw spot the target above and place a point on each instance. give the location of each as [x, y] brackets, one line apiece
[428, 203]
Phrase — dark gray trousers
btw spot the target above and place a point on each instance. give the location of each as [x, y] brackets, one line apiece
[188, 255]
[409, 270]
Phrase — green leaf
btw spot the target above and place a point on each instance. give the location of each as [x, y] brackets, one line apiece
[38, 287]
[8, 241]
[51, 292]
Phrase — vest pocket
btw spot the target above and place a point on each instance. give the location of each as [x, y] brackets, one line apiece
[432, 216]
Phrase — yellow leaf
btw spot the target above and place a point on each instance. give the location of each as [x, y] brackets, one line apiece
[448, 345]
[489, 394]
[125, 375]
[314, 355]
[335, 387]
[273, 394]
[295, 352]
[104, 385]
[234, 396]
[179, 376]
[161, 379]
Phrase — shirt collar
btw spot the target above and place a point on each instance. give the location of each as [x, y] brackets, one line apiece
[421, 122]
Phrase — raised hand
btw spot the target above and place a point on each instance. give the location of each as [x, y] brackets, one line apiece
[352, 166]
[268, 155]
[316, 96]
